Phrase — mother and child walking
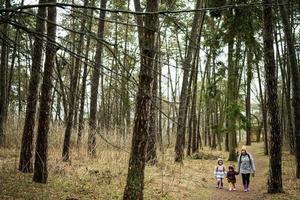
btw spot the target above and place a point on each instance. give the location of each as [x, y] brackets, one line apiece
[246, 166]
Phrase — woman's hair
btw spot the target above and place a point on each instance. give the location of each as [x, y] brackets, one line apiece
[244, 148]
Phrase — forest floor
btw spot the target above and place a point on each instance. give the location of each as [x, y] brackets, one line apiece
[105, 177]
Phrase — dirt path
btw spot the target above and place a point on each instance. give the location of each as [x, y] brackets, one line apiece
[257, 184]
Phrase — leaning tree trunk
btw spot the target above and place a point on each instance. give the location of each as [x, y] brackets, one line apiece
[25, 163]
[179, 147]
[295, 79]
[275, 172]
[40, 174]
[135, 178]
[95, 83]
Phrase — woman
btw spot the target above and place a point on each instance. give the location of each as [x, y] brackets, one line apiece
[246, 166]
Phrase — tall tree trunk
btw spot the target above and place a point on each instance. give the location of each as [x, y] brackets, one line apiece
[193, 111]
[287, 95]
[264, 112]
[218, 126]
[20, 106]
[151, 156]
[40, 174]
[3, 75]
[62, 90]
[179, 147]
[248, 96]
[84, 78]
[189, 115]
[135, 178]
[275, 171]
[295, 79]
[189, 128]
[213, 101]
[125, 106]
[232, 102]
[213, 130]
[95, 83]
[10, 75]
[160, 94]
[73, 92]
[139, 22]
[25, 163]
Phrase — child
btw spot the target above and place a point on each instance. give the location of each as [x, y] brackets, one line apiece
[220, 173]
[231, 177]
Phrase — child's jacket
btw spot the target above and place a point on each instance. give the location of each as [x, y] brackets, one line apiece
[231, 175]
[220, 172]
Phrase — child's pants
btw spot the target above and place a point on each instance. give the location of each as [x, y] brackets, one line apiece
[231, 185]
[220, 182]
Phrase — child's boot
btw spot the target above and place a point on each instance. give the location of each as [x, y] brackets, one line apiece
[218, 183]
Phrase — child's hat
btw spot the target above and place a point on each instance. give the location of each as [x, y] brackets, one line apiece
[220, 160]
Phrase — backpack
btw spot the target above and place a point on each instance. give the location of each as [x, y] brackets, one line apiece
[217, 167]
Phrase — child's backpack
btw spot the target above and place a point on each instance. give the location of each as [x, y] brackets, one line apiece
[217, 170]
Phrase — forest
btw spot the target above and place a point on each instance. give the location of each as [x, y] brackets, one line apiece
[145, 99]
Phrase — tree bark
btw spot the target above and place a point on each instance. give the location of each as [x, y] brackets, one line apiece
[3, 79]
[25, 163]
[295, 79]
[264, 113]
[84, 79]
[151, 157]
[232, 102]
[73, 93]
[275, 171]
[95, 83]
[286, 80]
[194, 113]
[160, 94]
[248, 96]
[40, 174]
[135, 178]
[180, 137]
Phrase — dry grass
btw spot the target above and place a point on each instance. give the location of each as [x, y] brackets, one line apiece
[104, 177]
